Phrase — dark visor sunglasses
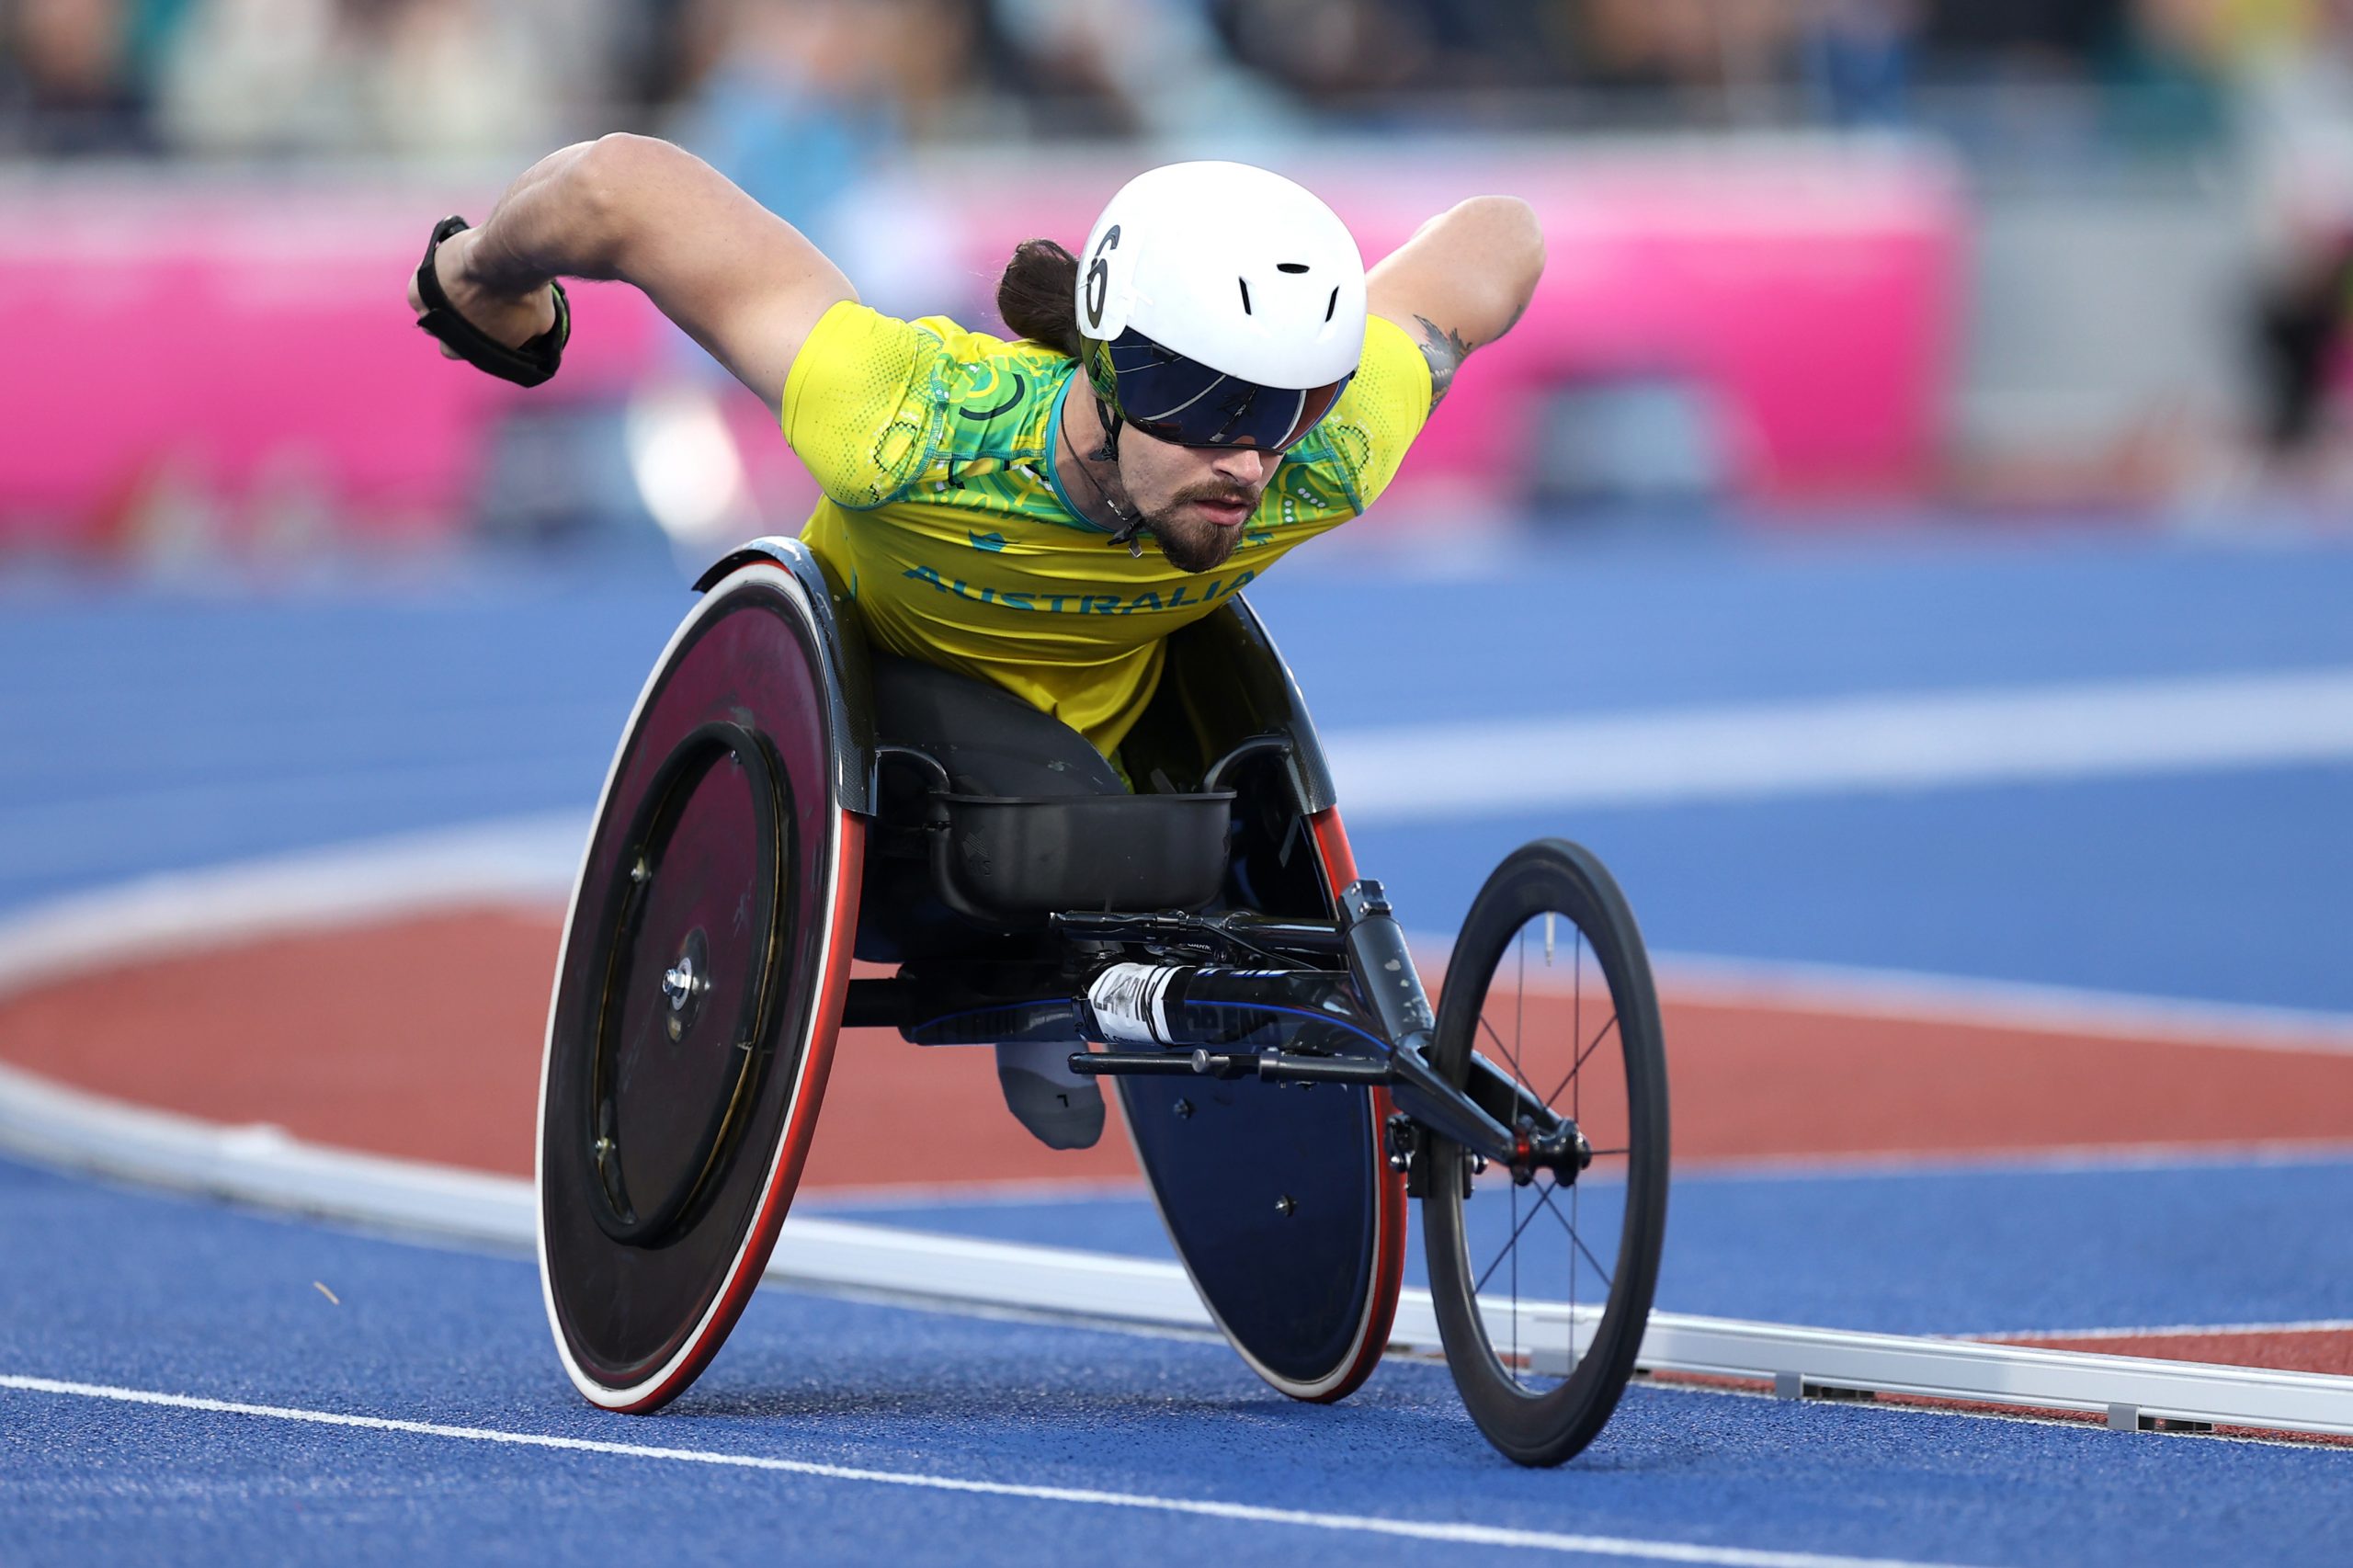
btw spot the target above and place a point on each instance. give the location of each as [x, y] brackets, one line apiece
[1181, 400]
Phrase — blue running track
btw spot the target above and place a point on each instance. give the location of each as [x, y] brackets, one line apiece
[152, 1294]
[161, 727]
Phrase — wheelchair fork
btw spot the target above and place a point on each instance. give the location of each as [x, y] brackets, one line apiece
[1491, 1115]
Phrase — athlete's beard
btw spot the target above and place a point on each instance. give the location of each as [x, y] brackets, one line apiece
[1190, 541]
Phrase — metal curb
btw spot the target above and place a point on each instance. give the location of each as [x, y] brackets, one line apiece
[70, 1128]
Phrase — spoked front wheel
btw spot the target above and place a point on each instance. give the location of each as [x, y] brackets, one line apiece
[1542, 1283]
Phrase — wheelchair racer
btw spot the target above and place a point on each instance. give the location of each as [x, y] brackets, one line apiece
[1212, 380]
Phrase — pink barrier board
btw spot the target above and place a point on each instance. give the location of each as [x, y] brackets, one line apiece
[244, 339]
[240, 341]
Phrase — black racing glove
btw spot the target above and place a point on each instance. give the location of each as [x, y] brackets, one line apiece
[527, 365]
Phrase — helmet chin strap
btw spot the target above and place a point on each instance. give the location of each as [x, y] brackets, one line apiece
[1110, 418]
[1108, 451]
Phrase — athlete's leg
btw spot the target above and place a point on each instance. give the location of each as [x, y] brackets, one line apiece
[992, 743]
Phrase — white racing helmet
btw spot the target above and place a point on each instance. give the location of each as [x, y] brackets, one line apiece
[1219, 305]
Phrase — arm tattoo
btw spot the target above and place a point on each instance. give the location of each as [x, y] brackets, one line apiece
[1445, 350]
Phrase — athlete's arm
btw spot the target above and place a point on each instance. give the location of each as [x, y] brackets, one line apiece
[742, 282]
[1460, 281]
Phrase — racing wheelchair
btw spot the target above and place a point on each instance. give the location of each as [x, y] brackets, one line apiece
[1205, 943]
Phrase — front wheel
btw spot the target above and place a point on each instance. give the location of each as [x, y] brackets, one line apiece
[1543, 1285]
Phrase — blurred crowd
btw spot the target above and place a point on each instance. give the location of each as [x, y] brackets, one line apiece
[249, 78]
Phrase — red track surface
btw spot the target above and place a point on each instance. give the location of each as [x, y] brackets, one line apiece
[421, 1038]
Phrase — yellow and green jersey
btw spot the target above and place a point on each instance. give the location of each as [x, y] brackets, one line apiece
[934, 448]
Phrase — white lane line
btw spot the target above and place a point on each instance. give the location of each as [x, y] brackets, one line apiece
[1922, 741]
[91, 833]
[1905, 996]
[2082, 1159]
[1366, 1524]
[525, 859]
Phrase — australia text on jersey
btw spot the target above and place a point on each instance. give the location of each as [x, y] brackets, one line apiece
[1081, 604]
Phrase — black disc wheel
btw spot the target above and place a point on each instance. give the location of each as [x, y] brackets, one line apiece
[1281, 1205]
[697, 998]
[1542, 1279]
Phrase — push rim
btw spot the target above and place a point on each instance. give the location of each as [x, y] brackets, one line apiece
[1544, 1286]
[660, 989]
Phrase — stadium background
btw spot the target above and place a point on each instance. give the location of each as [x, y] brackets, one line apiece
[1890, 350]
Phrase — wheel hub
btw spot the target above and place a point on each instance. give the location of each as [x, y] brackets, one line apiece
[686, 983]
[1564, 1151]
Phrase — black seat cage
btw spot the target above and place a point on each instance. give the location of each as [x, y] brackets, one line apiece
[1226, 694]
